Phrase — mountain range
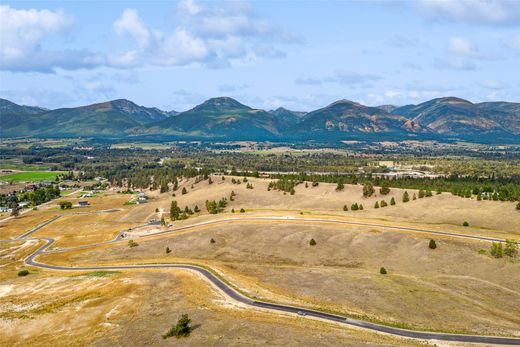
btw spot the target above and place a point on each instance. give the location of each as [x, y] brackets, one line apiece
[224, 118]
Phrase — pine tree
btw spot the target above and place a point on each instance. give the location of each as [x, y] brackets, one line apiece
[383, 203]
[376, 205]
[406, 197]
[421, 194]
[511, 248]
[175, 210]
[168, 250]
[382, 271]
[361, 206]
[368, 190]
[345, 208]
[384, 188]
[432, 244]
[312, 242]
[392, 201]
[181, 329]
[496, 250]
[184, 191]
[340, 185]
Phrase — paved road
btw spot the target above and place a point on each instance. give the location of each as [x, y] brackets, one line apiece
[232, 293]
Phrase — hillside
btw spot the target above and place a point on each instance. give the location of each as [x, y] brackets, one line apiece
[458, 117]
[110, 118]
[226, 118]
[345, 116]
[220, 117]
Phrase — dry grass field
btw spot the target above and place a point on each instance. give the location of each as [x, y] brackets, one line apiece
[452, 288]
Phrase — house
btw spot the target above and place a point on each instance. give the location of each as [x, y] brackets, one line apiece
[82, 203]
[23, 204]
[5, 209]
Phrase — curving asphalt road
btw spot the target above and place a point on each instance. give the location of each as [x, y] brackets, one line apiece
[235, 295]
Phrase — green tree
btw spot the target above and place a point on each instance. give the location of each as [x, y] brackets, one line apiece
[22, 273]
[466, 224]
[406, 197]
[212, 206]
[392, 201]
[132, 244]
[212, 240]
[518, 206]
[354, 207]
[168, 250]
[511, 248]
[432, 244]
[242, 210]
[340, 185]
[312, 242]
[383, 203]
[382, 271]
[376, 205]
[361, 206]
[385, 189]
[345, 208]
[421, 194]
[184, 191]
[181, 329]
[175, 210]
[497, 250]
[368, 190]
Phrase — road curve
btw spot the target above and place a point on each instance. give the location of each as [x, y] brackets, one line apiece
[232, 293]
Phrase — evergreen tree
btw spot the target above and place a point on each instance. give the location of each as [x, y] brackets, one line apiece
[376, 205]
[466, 224]
[414, 197]
[212, 240]
[184, 191]
[361, 206]
[168, 250]
[392, 201]
[340, 186]
[368, 190]
[385, 189]
[432, 244]
[175, 210]
[354, 207]
[383, 203]
[181, 329]
[345, 208]
[242, 210]
[406, 198]
[382, 271]
[312, 242]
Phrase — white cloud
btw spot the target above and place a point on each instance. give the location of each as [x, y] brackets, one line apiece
[23, 30]
[461, 46]
[131, 24]
[485, 12]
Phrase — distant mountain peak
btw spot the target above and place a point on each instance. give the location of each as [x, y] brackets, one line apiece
[221, 103]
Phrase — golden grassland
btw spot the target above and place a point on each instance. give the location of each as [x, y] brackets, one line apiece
[452, 288]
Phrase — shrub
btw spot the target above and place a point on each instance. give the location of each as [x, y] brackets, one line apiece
[496, 250]
[65, 205]
[466, 224]
[312, 242]
[22, 273]
[518, 206]
[345, 208]
[181, 329]
[212, 240]
[382, 271]
[232, 210]
[511, 248]
[132, 244]
[432, 244]
[242, 210]
[168, 250]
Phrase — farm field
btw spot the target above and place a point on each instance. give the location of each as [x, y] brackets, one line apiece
[31, 176]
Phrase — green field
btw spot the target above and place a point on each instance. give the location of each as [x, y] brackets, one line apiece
[33, 176]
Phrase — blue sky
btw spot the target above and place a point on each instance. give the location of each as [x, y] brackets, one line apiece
[298, 54]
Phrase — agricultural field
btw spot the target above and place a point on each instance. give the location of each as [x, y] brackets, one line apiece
[31, 176]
